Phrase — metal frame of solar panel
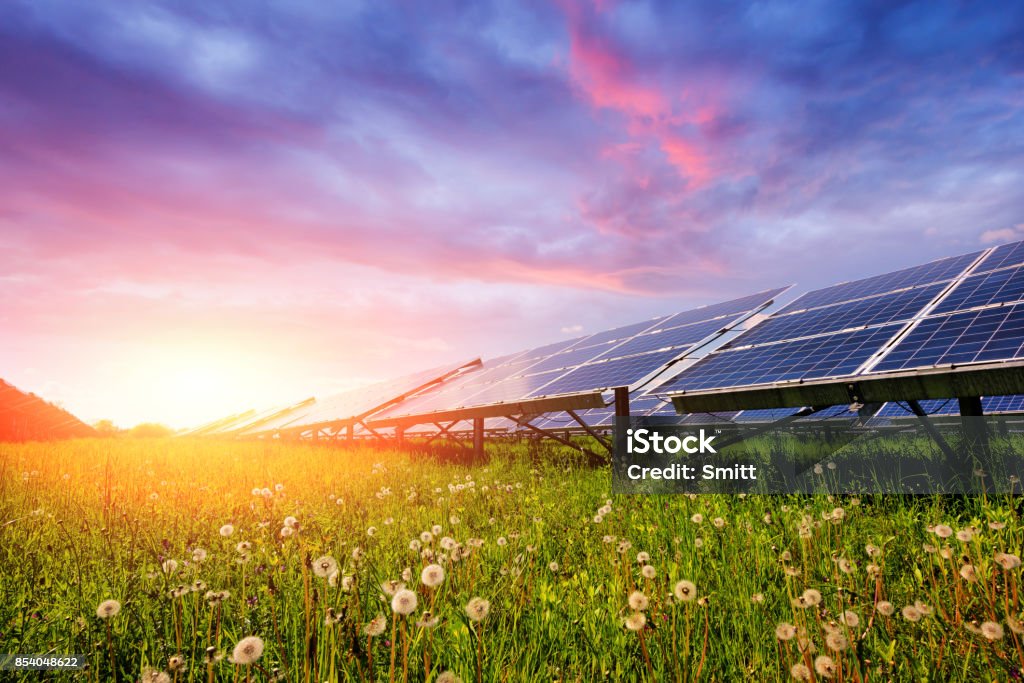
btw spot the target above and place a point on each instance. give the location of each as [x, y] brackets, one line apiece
[585, 366]
[952, 327]
[329, 416]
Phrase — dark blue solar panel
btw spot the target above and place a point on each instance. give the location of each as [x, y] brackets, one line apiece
[568, 359]
[1003, 404]
[508, 390]
[730, 308]
[936, 271]
[813, 358]
[614, 373]
[1005, 255]
[885, 308]
[546, 350]
[620, 333]
[710, 418]
[841, 411]
[764, 415]
[970, 337]
[944, 406]
[686, 335]
[1002, 286]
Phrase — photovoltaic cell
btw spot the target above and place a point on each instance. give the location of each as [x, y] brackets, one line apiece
[764, 414]
[546, 350]
[1003, 404]
[885, 308]
[624, 332]
[674, 337]
[944, 406]
[1005, 255]
[811, 358]
[936, 271]
[613, 373]
[568, 359]
[1001, 286]
[726, 308]
[969, 337]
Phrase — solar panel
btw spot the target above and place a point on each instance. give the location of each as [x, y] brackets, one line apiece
[581, 365]
[937, 271]
[999, 287]
[764, 414]
[970, 337]
[880, 309]
[1011, 254]
[829, 355]
[1003, 404]
[605, 375]
[943, 406]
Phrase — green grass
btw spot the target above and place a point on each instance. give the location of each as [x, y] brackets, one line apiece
[86, 521]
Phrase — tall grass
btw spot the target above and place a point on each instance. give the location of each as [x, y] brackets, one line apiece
[781, 586]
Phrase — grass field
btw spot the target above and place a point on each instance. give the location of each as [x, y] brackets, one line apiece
[540, 574]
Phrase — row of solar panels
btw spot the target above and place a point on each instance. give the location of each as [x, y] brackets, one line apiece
[961, 310]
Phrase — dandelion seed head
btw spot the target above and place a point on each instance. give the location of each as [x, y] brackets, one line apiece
[942, 530]
[227, 530]
[636, 621]
[992, 630]
[108, 609]
[785, 631]
[824, 666]
[911, 614]
[638, 601]
[376, 626]
[477, 609]
[685, 590]
[1007, 561]
[884, 607]
[325, 566]
[800, 672]
[649, 572]
[404, 602]
[248, 650]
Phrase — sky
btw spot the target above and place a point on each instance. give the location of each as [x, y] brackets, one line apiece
[207, 207]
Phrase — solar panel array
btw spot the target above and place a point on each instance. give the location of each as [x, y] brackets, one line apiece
[841, 330]
[621, 357]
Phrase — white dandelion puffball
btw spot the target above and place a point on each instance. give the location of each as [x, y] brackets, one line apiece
[636, 621]
[199, 555]
[376, 625]
[448, 677]
[108, 608]
[992, 630]
[477, 609]
[685, 591]
[248, 650]
[649, 571]
[325, 566]
[432, 575]
[404, 602]
[227, 530]
[785, 631]
[884, 607]
[553, 566]
[291, 521]
[638, 602]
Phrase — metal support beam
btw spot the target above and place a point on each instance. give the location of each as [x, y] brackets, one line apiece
[594, 458]
[478, 437]
[973, 424]
[621, 401]
[923, 418]
[589, 430]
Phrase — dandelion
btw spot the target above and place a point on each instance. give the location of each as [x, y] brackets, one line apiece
[943, 531]
[846, 566]
[757, 598]
[636, 621]
[371, 531]
[849, 618]
[392, 586]
[502, 541]
[997, 526]
[638, 601]
[448, 677]
[1015, 625]
[150, 675]
[800, 672]
[429, 620]
[969, 573]
[243, 547]
[287, 532]
[169, 566]
[415, 545]
[911, 614]
[176, 663]
[325, 566]
[885, 608]
[812, 597]
[432, 575]
[824, 666]
[290, 521]
[227, 530]
[199, 555]
[685, 591]
[718, 522]
[553, 566]
[376, 626]
[1007, 561]
[785, 631]
[964, 535]
[836, 641]
[477, 609]
[404, 602]
[697, 518]
[643, 557]
[992, 630]
[649, 572]
[108, 609]
[407, 574]
[248, 650]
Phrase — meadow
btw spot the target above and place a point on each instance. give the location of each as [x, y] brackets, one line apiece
[189, 560]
